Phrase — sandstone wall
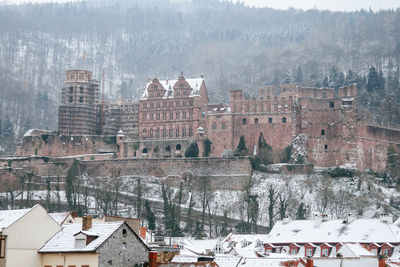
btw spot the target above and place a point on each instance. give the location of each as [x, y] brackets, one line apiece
[53, 145]
[221, 173]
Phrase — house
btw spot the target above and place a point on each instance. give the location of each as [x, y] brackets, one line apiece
[62, 217]
[94, 245]
[322, 237]
[23, 233]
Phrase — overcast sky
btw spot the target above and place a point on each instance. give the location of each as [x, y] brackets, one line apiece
[335, 5]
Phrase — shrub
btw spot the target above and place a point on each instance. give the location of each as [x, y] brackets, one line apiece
[286, 154]
[340, 172]
[207, 147]
[241, 149]
[192, 151]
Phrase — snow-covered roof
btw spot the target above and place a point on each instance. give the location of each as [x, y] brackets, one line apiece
[168, 85]
[358, 231]
[350, 250]
[64, 240]
[59, 217]
[8, 217]
[227, 260]
[36, 132]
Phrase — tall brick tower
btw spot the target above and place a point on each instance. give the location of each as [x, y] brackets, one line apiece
[79, 104]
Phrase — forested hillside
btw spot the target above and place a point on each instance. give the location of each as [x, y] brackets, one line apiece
[234, 46]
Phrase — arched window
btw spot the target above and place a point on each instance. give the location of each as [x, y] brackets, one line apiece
[284, 120]
[256, 121]
[183, 132]
[214, 125]
[156, 149]
[190, 131]
[269, 120]
[164, 132]
[144, 151]
[171, 133]
[177, 133]
[178, 147]
[223, 125]
[168, 148]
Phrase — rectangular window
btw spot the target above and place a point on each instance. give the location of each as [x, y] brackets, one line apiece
[2, 247]
[171, 116]
[164, 116]
[190, 131]
[177, 116]
[184, 115]
[177, 104]
[324, 252]
[386, 252]
[144, 105]
[331, 104]
[326, 147]
[158, 116]
[171, 104]
[322, 132]
[309, 252]
[293, 251]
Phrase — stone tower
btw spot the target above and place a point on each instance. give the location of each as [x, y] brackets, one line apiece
[79, 104]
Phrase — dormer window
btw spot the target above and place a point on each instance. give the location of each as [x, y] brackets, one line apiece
[80, 240]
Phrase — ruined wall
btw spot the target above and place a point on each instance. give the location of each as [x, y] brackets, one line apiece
[229, 174]
[372, 144]
[53, 145]
[224, 174]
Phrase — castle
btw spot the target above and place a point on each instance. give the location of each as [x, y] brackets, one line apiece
[326, 124]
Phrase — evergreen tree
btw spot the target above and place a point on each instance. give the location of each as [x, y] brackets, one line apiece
[381, 80]
[350, 77]
[8, 129]
[325, 82]
[189, 220]
[192, 151]
[151, 219]
[207, 147]
[198, 231]
[70, 185]
[373, 80]
[301, 212]
[333, 77]
[340, 80]
[298, 76]
[139, 199]
[225, 224]
[241, 149]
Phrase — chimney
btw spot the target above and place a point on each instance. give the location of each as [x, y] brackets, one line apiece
[386, 218]
[287, 219]
[382, 261]
[86, 222]
[202, 76]
[153, 259]
[317, 220]
[310, 262]
[143, 232]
